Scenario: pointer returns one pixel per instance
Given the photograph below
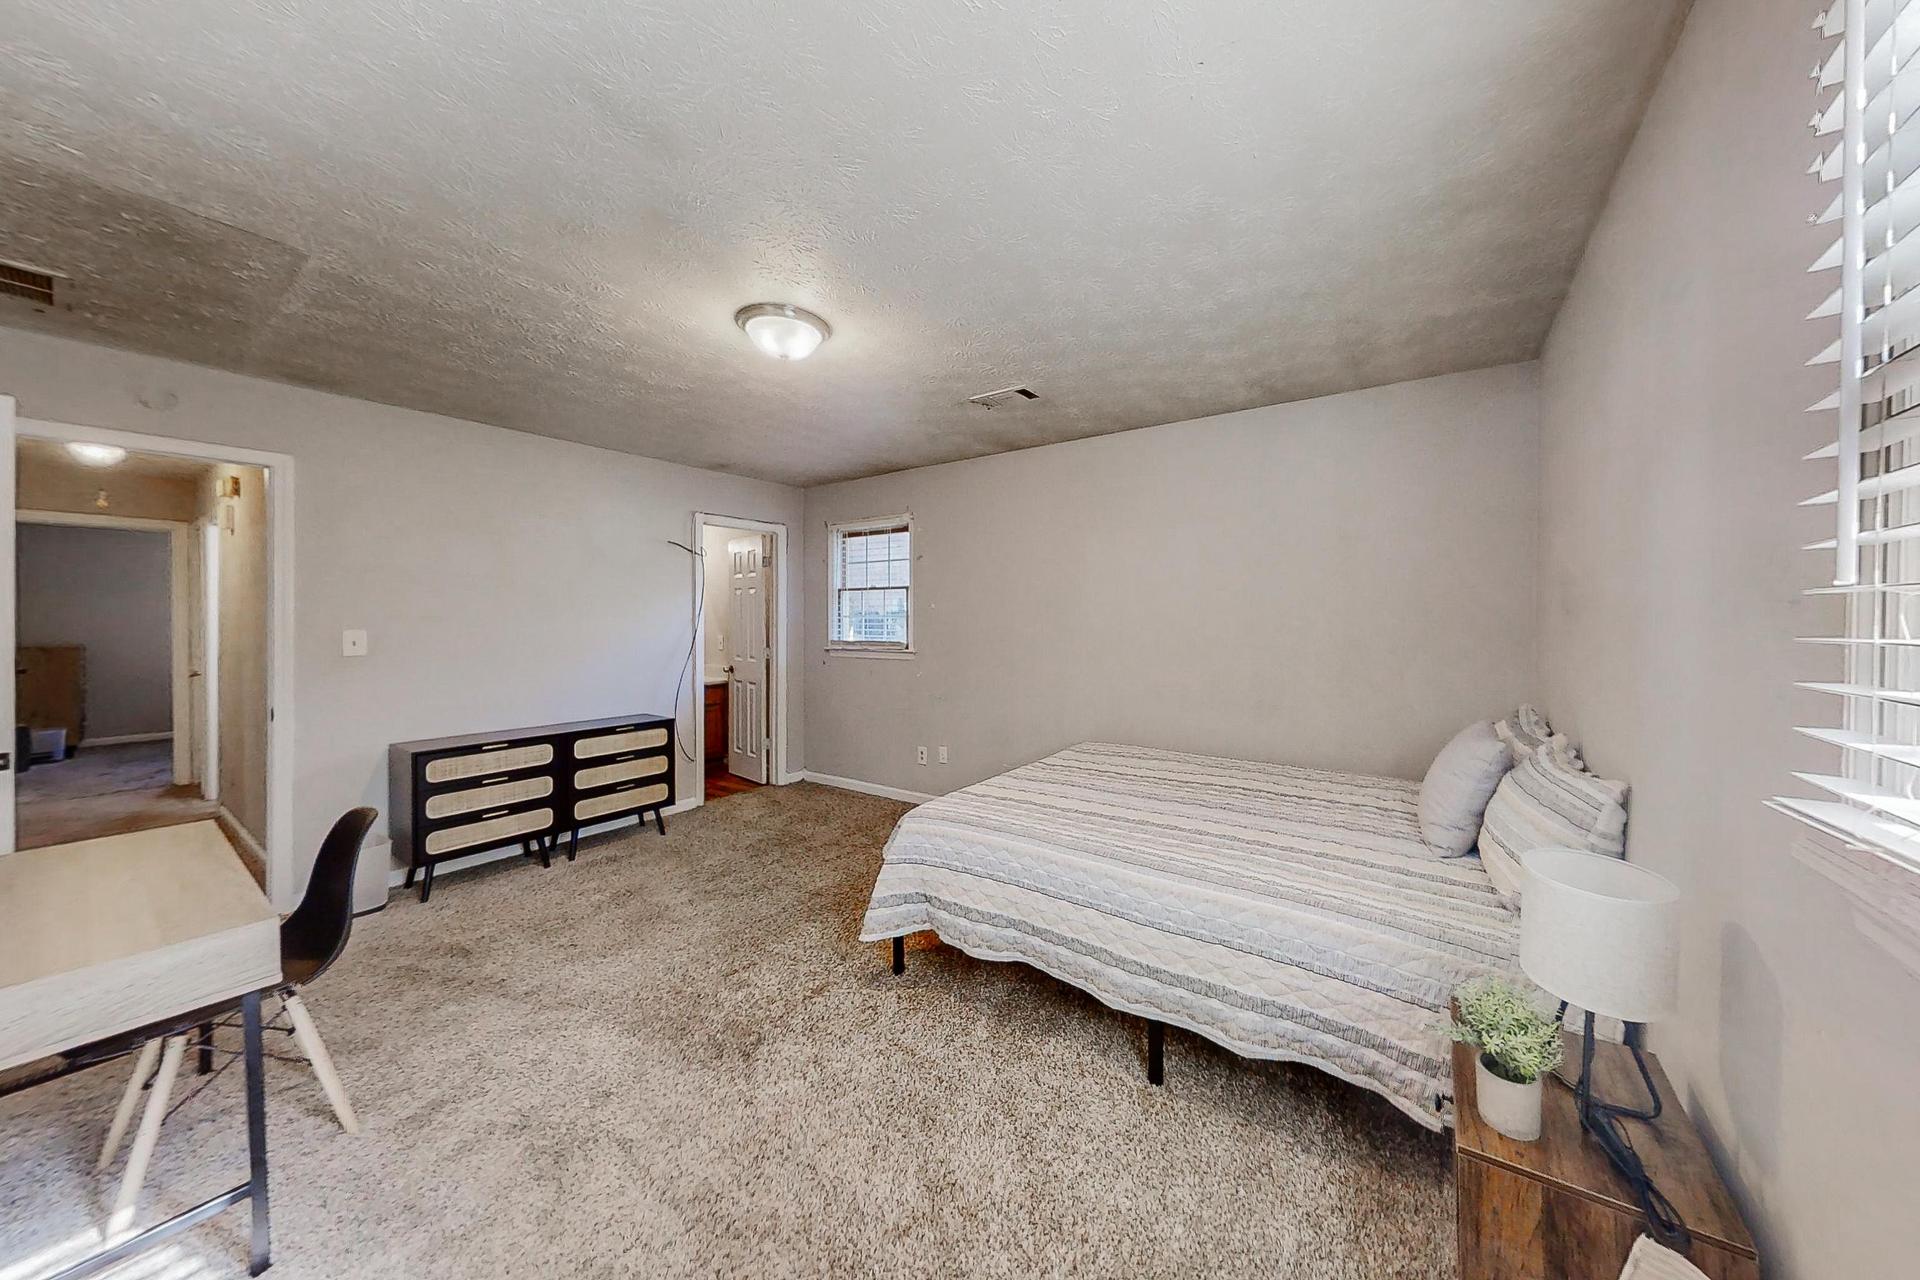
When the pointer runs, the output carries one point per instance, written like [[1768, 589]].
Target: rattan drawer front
[[492, 831], [482, 762], [619, 802], [613, 744], [474, 799], [625, 771]]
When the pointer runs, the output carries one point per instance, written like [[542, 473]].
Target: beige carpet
[[672, 1058]]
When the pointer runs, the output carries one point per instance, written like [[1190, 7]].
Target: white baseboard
[[868, 788], [397, 876], [237, 831], [123, 739]]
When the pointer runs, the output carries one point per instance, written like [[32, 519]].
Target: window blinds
[[872, 571], [1868, 83]]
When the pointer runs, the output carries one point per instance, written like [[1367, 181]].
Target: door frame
[[777, 774], [180, 562], [281, 886]]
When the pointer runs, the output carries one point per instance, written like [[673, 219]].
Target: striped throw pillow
[[1526, 730], [1548, 801]]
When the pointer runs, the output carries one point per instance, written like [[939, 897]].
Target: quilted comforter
[[1283, 912]]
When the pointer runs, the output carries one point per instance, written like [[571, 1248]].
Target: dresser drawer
[[605, 775], [489, 831], [619, 742], [621, 802], [502, 757], [448, 804]]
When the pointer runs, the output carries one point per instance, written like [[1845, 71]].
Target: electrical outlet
[[943, 753], [353, 644], [921, 752]]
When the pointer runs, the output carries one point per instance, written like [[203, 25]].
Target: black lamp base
[[1602, 1121]]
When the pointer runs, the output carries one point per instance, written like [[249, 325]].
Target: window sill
[[847, 651]]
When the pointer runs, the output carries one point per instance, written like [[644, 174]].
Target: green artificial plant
[[1516, 1041]]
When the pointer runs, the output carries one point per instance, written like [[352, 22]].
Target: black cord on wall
[[693, 639]]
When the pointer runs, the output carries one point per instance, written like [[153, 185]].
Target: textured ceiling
[[544, 215]]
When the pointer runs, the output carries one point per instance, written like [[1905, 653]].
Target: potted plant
[[1518, 1047]]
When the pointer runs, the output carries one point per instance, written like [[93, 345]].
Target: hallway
[[103, 791]]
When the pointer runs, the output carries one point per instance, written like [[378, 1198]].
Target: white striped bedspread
[[1283, 912]]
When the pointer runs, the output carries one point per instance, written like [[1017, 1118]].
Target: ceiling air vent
[[20, 281], [1004, 397]]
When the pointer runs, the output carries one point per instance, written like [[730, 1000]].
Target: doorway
[[102, 603], [227, 516], [742, 655]]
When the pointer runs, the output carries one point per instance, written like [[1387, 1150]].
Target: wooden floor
[[721, 783]]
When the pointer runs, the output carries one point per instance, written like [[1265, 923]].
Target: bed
[[1283, 912]]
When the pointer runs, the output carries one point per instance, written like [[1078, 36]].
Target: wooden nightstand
[[1556, 1210]]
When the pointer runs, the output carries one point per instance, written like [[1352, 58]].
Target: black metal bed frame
[[1156, 1030], [253, 1191]]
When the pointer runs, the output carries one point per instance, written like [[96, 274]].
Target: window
[[1869, 82], [871, 564]]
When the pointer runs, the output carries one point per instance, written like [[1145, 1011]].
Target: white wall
[[1341, 582], [504, 579], [245, 572], [107, 589], [719, 614], [1674, 391]]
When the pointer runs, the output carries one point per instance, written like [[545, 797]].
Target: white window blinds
[[871, 566], [1869, 93]]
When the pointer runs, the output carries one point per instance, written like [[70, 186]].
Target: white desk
[[147, 933]]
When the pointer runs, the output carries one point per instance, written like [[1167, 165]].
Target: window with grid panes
[[871, 566]]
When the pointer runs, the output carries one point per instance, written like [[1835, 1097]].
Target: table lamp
[[1600, 934]]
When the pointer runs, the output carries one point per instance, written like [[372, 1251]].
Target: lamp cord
[[693, 638], [1602, 1120]]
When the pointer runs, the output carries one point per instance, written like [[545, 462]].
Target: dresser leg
[[660, 820], [426, 882], [411, 868], [573, 843]]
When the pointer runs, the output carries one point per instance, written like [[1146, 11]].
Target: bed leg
[[1156, 1052], [900, 955]]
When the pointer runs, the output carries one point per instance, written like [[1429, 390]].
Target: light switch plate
[[353, 644]]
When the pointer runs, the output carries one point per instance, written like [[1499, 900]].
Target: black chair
[[311, 939]]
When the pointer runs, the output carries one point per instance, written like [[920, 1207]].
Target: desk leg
[[262, 1245]]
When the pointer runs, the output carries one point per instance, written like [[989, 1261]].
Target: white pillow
[[1549, 801], [1454, 794]]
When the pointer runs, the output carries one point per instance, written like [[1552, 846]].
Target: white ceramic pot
[[1512, 1109]]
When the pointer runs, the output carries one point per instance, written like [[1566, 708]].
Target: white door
[[749, 580], [7, 624]]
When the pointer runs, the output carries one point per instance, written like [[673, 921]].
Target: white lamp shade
[[1600, 933]]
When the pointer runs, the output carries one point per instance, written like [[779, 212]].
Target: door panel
[[747, 679]]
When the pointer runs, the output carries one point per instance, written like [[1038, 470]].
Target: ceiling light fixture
[[96, 455], [782, 331]]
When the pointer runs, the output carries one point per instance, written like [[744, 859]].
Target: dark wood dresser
[[716, 708], [1556, 1210], [455, 797]]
